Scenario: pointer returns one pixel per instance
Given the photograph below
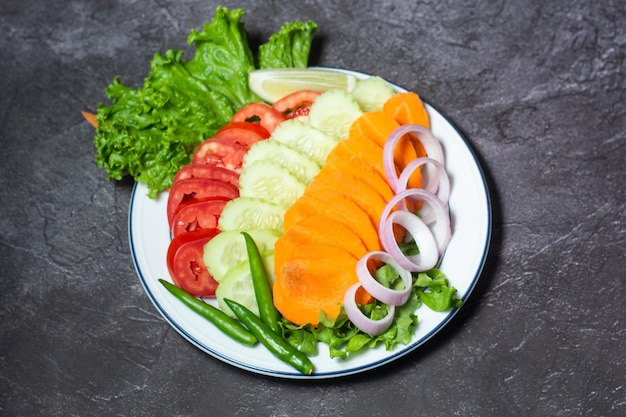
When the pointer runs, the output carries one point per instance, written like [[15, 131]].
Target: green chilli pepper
[[278, 346], [221, 320], [262, 289]]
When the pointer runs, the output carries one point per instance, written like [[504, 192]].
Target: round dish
[[462, 262]]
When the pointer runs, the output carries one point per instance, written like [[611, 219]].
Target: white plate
[[462, 263]]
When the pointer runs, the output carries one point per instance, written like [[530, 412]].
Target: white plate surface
[[462, 262]]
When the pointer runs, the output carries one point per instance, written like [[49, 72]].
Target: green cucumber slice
[[333, 113], [372, 92], [300, 165], [305, 138], [270, 181], [244, 213]]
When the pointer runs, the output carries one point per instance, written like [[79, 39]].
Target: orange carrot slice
[[337, 206], [314, 279], [364, 148], [407, 108], [366, 197], [320, 229], [317, 230], [91, 118], [375, 125], [359, 168]]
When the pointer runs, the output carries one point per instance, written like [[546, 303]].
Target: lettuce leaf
[[223, 58], [151, 132], [289, 47], [435, 292]]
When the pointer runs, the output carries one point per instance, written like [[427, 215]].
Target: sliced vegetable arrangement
[[351, 220], [312, 205]]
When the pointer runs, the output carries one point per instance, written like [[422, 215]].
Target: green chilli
[[221, 320], [278, 346], [262, 289]]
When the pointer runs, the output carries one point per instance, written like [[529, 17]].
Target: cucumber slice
[[237, 284], [372, 92], [270, 181], [333, 113], [273, 84], [243, 213], [305, 138], [300, 165], [228, 248]]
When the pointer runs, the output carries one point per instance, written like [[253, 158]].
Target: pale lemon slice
[[273, 84]]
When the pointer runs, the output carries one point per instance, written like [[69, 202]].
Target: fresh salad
[[310, 204]]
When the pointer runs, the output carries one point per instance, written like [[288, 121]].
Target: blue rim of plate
[[342, 372]]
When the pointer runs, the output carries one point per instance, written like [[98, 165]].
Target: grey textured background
[[538, 87]]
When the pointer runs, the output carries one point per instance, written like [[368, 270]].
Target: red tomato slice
[[253, 127], [239, 132], [208, 172], [296, 105], [261, 113], [193, 189], [185, 264], [202, 213], [220, 152]]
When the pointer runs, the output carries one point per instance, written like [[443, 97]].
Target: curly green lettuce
[[289, 47], [152, 131]]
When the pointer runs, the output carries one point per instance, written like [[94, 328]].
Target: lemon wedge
[[273, 84]]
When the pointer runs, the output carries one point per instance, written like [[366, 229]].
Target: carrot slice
[[366, 197], [91, 118], [363, 297], [337, 206], [359, 168], [376, 125], [407, 108], [282, 253], [320, 229], [364, 148], [315, 278]]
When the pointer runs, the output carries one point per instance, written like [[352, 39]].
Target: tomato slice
[[261, 113], [185, 264], [250, 126], [193, 189], [201, 213], [239, 132], [296, 105], [203, 171], [220, 152]]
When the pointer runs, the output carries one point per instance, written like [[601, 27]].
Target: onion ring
[[360, 320], [428, 249], [427, 139], [375, 288], [440, 216], [437, 182]]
